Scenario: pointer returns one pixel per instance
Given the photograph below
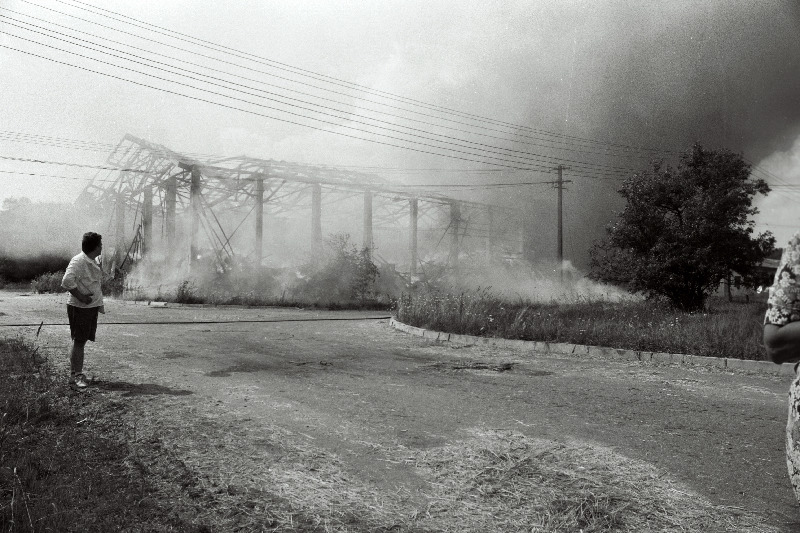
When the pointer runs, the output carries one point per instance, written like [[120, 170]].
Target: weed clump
[[49, 282], [723, 330], [343, 274]]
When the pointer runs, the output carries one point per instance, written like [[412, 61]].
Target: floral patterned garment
[[783, 305]]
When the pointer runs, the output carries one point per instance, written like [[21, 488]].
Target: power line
[[228, 74], [318, 77], [46, 162], [262, 114], [16, 172], [523, 157]]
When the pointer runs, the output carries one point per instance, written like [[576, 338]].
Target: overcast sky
[[600, 86]]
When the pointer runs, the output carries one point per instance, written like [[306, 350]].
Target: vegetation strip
[[762, 367]]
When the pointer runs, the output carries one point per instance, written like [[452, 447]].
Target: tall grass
[[723, 330], [64, 466]]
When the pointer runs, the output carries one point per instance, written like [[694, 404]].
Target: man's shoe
[[80, 381]]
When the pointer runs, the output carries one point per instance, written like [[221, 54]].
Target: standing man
[[83, 281]]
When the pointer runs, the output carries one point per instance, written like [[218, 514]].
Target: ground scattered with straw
[[140, 461]]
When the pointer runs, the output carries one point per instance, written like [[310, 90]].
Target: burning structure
[[178, 209]]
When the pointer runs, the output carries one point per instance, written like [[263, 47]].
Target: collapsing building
[[160, 205]]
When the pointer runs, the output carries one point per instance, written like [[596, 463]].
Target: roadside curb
[[617, 354]]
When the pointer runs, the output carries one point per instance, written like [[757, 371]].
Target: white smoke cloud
[[780, 210]]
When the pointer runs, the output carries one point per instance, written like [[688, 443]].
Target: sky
[[600, 87]]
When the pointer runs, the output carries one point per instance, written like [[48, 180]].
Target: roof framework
[[221, 196]]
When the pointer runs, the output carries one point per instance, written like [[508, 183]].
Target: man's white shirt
[[85, 275]]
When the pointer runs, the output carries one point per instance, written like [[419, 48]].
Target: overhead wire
[[558, 146], [404, 140], [521, 157], [249, 111], [561, 137], [304, 72]]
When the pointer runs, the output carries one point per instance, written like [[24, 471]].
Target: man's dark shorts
[[82, 322]]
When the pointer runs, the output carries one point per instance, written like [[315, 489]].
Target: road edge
[[618, 354]]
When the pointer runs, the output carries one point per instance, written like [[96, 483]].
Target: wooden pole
[[170, 200], [194, 227], [147, 221], [259, 221], [412, 244], [316, 212], [560, 186], [368, 242], [119, 235], [490, 234], [455, 223]]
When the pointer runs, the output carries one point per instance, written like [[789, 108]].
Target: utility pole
[[560, 185]]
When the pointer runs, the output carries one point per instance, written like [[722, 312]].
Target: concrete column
[[316, 213], [455, 226], [368, 242], [170, 199], [259, 221], [120, 245], [194, 227], [147, 221], [412, 240]]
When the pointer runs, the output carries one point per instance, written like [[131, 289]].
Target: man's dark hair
[[91, 240]]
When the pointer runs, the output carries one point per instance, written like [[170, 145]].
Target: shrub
[[343, 274], [113, 285], [186, 293], [49, 282]]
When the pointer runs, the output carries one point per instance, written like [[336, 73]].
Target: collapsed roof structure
[[208, 205]]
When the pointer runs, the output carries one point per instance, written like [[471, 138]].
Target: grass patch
[[723, 330], [49, 282], [504, 481], [65, 464]]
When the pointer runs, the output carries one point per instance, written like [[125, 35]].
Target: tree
[[685, 229]]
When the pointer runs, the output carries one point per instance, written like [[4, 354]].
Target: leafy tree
[[685, 229]]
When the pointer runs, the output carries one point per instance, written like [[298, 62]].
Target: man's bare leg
[[76, 357]]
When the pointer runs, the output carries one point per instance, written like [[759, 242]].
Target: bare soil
[[353, 401]]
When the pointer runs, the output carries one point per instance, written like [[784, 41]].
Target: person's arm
[[83, 298], [782, 342], [70, 283]]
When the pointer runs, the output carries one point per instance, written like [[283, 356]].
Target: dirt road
[[363, 391]]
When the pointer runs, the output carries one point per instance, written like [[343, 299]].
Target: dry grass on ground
[[250, 476], [503, 481], [138, 459], [723, 330]]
